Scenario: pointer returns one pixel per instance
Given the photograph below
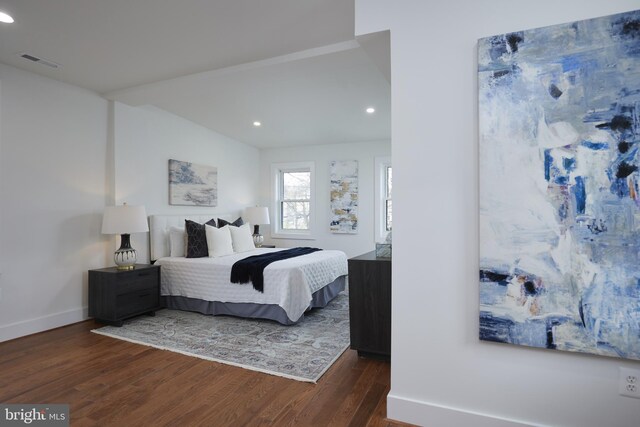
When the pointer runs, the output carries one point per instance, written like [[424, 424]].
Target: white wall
[[365, 153], [145, 138], [441, 374], [52, 194], [65, 154]]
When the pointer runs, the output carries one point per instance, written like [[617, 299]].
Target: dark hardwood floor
[[109, 382]]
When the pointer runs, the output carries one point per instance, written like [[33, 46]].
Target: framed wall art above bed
[[191, 184]]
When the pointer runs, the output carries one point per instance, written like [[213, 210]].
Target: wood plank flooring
[[109, 382]]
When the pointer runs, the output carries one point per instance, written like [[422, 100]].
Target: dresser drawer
[[137, 302]]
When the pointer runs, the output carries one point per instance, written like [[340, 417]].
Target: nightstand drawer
[[137, 280], [137, 302]]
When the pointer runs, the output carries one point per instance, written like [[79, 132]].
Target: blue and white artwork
[[559, 121], [344, 196], [192, 185]]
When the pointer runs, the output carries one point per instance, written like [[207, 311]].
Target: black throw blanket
[[251, 269]]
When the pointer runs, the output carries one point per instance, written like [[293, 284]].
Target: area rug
[[301, 352]]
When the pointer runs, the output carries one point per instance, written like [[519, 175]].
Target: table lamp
[[257, 215], [125, 220]]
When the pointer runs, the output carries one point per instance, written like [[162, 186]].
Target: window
[[384, 218], [292, 185]]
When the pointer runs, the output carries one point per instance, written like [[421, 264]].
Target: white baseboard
[[432, 415], [40, 324]]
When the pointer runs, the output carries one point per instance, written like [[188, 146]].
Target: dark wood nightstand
[[115, 295], [370, 305]]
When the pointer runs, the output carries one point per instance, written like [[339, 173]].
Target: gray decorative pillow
[[197, 238], [238, 222]]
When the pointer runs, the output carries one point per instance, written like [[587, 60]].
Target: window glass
[[296, 185], [295, 215], [296, 192], [388, 210]]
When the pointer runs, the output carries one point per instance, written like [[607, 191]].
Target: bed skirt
[[319, 299]]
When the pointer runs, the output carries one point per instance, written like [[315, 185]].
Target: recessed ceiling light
[[257, 124], [5, 17], [370, 110]]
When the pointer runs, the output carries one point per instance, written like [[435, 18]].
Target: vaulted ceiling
[[292, 65]]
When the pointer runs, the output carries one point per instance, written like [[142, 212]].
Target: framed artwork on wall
[[559, 122], [191, 184], [344, 196]]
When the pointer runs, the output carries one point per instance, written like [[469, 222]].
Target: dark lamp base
[[125, 257]]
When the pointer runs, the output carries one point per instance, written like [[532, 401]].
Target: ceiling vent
[[39, 60]]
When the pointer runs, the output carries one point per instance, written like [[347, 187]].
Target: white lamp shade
[[124, 219], [257, 215]]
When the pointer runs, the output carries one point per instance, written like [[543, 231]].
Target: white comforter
[[288, 283]]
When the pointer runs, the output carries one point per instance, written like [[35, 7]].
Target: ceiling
[[293, 65]]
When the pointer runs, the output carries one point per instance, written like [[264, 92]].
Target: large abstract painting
[[344, 196], [192, 185], [560, 187]]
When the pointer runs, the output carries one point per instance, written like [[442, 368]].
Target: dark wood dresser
[[370, 305], [115, 295]]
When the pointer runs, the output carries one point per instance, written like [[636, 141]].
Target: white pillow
[[242, 238], [218, 241], [176, 241]]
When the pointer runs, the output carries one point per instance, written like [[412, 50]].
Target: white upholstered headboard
[[159, 229]]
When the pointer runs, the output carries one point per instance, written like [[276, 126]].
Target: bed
[[291, 286]]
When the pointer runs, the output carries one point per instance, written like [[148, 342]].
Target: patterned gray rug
[[301, 352]]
